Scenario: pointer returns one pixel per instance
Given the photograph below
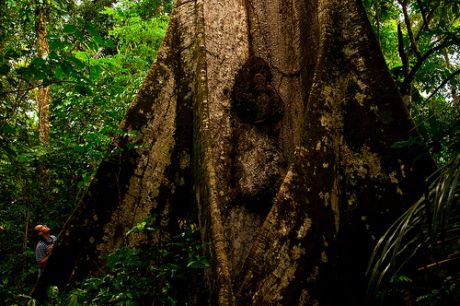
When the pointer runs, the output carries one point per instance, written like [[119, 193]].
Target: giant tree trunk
[[272, 124]]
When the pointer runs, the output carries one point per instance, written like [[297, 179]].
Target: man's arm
[[43, 261]]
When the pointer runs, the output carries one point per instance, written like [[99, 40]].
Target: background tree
[[43, 97]]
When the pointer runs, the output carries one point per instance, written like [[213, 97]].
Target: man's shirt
[[41, 249]]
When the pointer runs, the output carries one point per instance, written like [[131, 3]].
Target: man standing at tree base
[[44, 246]]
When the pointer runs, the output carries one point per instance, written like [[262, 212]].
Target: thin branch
[[377, 20], [414, 48], [437, 263], [450, 77], [422, 10], [426, 21], [402, 53], [444, 134], [410, 77], [17, 91], [4, 93]]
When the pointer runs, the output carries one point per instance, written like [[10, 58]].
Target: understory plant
[[148, 275], [418, 257]]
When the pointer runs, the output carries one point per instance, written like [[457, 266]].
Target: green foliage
[[424, 241], [95, 66], [425, 64], [147, 275], [423, 59]]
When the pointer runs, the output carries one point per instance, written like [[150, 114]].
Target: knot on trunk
[[254, 99], [258, 161]]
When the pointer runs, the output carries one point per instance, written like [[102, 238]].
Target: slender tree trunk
[[272, 123], [43, 96], [26, 198], [43, 92]]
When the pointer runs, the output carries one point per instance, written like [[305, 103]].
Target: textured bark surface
[[271, 123], [43, 94]]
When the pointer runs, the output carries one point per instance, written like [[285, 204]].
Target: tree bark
[[272, 124], [43, 95]]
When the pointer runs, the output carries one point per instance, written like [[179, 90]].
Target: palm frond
[[429, 223]]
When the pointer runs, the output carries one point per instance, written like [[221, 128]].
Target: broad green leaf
[[37, 62], [79, 64], [58, 72], [8, 129], [405, 143], [69, 28], [4, 69], [57, 45], [11, 54], [80, 36]]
